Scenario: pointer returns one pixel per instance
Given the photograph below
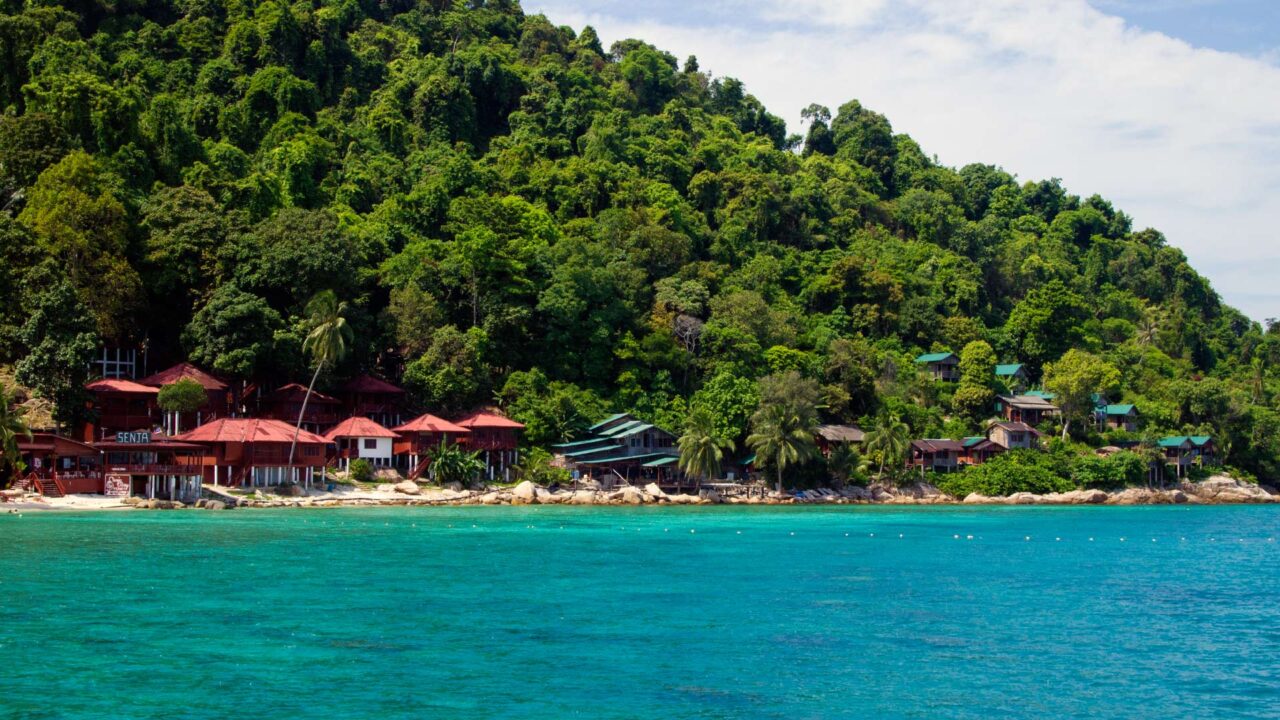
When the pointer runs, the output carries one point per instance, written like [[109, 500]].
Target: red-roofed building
[[497, 438], [936, 455], [419, 437], [58, 465], [360, 437], [375, 399], [119, 405], [323, 411], [255, 453], [220, 402], [139, 464]]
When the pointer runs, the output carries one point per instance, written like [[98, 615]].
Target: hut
[[140, 464], [828, 436], [219, 400], [1013, 375], [360, 437], [978, 450], [941, 366], [939, 455], [1014, 435], [378, 400], [1030, 408], [419, 437], [255, 453], [1118, 417], [58, 465], [497, 439], [1184, 451]]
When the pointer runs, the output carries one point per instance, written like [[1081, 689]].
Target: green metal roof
[[971, 441], [578, 443], [606, 421], [1175, 441], [660, 462], [579, 454], [1008, 370], [748, 460], [1041, 394], [1200, 439], [934, 357], [1119, 409], [625, 458], [621, 429]]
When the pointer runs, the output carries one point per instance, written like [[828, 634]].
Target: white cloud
[[1184, 139]]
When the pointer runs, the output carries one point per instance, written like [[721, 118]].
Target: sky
[[1168, 108]]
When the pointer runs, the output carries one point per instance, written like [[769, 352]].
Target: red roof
[[489, 420], [358, 427], [184, 370], [295, 391], [120, 386], [371, 385], [430, 424], [244, 430]]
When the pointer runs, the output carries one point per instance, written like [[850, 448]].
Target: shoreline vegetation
[[1216, 490]]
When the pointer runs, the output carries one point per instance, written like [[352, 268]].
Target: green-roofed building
[[1118, 417], [622, 447], [941, 366], [1183, 451], [1013, 375]]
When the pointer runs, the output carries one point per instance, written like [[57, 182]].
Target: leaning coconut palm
[[701, 450], [450, 464], [327, 342], [889, 439], [12, 426], [782, 436]]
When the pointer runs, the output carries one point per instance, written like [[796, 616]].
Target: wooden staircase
[[420, 469], [49, 487]]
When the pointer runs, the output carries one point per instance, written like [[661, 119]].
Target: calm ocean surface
[[552, 612]]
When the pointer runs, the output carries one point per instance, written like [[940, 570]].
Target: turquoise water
[[550, 612]]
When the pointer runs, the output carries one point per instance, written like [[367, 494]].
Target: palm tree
[[782, 435], [701, 450], [12, 425], [844, 463], [890, 438], [327, 342]]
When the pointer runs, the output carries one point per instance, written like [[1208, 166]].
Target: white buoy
[[739, 532], [1057, 539], [968, 537], [691, 530], [872, 534], [846, 534], [1026, 537], [899, 536]]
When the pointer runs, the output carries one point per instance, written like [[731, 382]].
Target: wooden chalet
[[1185, 451], [378, 400], [323, 411], [139, 464], [255, 453], [1013, 375], [420, 437], [360, 437], [624, 447], [220, 401], [1014, 435], [1030, 408], [935, 455], [941, 366], [120, 405], [58, 466], [497, 439], [1118, 417], [829, 436], [978, 450]]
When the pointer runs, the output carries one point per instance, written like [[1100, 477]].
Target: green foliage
[[552, 411], [1012, 472], [783, 427], [493, 194], [450, 463], [701, 450], [1122, 469], [361, 470], [535, 466], [184, 396], [12, 427], [1074, 379], [61, 338]]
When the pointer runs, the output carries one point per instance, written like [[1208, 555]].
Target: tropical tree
[[845, 464], [327, 343], [701, 448], [889, 440], [1074, 379], [450, 464], [12, 426], [783, 427], [183, 396]]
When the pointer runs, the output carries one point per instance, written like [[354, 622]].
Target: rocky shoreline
[[1218, 490]]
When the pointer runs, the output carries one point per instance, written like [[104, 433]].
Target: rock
[[710, 496], [652, 490], [1021, 498], [214, 505], [408, 487], [386, 488], [1178, 497], [526, 493], [977, 499], [132, 501], [634, 496], [176, 505]]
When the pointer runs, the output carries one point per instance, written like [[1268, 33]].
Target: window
[[370, 444]]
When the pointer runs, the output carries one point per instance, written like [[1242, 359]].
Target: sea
[[646, 612]]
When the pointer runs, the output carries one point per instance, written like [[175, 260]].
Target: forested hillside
[[518, 215]]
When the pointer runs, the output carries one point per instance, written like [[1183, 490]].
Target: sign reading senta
[[133, 437]]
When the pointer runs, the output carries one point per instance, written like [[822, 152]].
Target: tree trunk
[[779, 478], [305, 399], [1066, 425]]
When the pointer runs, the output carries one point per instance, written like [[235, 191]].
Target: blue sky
[[1169, 108]]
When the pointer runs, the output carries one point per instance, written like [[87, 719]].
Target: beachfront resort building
[[1014, 435], [497, 439], [361, 438], [378, 400], [1186, 451], [322, 411], [139, 464], [941, 366], [417, 439], [119, 405], [58, 466], [831, 436], [938, 455], [623, 447], [219, 402], [255, 453]]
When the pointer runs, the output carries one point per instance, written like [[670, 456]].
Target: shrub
[[536, 467], [1119, 470], [1013, 472], [361, 470]]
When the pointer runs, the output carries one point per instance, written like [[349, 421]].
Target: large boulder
[[653, 491], [526, 493], [634, 496], [708, 495], [408, 487], [978, 499], [214, 505]]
